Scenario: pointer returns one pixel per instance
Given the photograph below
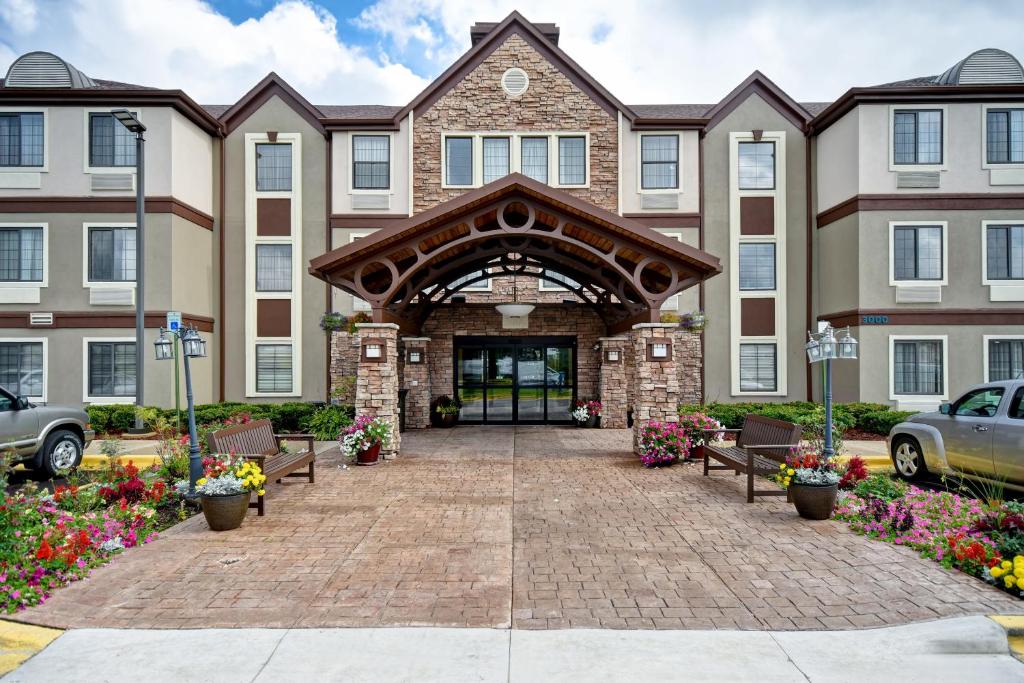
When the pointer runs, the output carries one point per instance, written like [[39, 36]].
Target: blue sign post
[[174, 325]]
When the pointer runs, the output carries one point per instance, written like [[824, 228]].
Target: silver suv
[[45, 439]]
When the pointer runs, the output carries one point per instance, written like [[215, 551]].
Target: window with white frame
[[111, 145], [548, 286], [659, 162], [917, 136], [21, 254], [273, 267], [21, 139], [1004, 142], [273, 167], [111, 254], [758, 371], [497, 160], [917, 252], [371, 162], [1005, 359], [478, 286], [572, 160], [756, 165], [534, 158], [757, 266], [917, 367], [23, 367], [1004, 252], [274, 368], [458, 161], [111, 369]]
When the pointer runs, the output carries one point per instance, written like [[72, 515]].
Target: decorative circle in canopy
[[516, 216], [655, 277], [377, 277]]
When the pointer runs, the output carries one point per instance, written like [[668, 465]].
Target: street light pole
[[192, 346], [825, 346], [195, 463], [828, 451]]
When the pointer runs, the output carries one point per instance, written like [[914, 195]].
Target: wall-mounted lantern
[[612, 355], [414, 356], [373, 350], [659, 349]]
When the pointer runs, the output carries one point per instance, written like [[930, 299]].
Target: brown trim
[[221, 372], [666, 220], [961, 201], [776, 97], [948, 316], [386, 123], [757, 216], [105, 205], [809, 236], [757, 317], [111, 319], [273, 317], [929, 93], [370, 220], [700, 245], [328, 244], [271, 85], [668, 123], [273, 216]]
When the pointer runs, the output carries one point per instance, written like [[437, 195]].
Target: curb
[[19, 642], [1013, 624], [875, 463], [140, 460]]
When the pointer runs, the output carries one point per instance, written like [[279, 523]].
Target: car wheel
[[908, 458], [62, 451]]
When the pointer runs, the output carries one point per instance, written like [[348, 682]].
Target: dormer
[[983, 67], [45, 70]]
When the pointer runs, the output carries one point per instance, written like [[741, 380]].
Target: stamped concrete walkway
[[529, 527]]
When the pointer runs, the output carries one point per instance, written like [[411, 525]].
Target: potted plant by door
[[580, 414], [364, 438], [662, 443], [812, 481], [594, 408], [444, 412], [225, 489]]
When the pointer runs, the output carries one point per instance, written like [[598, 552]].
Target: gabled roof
[[758, 83], [271, 85]]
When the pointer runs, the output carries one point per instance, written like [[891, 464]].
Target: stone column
[[416, 379], [377, 380], [613, 388], [689, 360], [655, 380]]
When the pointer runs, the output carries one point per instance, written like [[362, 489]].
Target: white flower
[[580, 414]]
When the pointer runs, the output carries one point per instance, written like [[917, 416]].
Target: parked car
[[45, 439], [979, 436]]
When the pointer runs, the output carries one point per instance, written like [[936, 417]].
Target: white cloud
[[21, 15]]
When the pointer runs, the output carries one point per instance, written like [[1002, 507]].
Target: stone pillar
[[613, 388], [377, 380], [689, 360], [655, 380], [416, 379], [344, 366]]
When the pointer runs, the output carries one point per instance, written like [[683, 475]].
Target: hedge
[[285, 417], [876, 418]]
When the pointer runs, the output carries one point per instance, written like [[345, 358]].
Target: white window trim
[[86, 168], [45, 282], [893, 166], [391, 135], [985, 164], [984, 254], [89, 284], [918, 398], [101, 400], [515, 154], [45, 168], [482, 286], [357, 303], [296, 370], [985, 339], [272, 241], [678, 189], [46, 360], [944, 280]]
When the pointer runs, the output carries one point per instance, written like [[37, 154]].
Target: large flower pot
[[447, 420], [580, 423], [370, 456], [224, 513], [814, 502], [594, 421], [697, 452]]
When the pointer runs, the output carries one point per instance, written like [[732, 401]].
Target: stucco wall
[[191, 164], [838, 276], [341, 172], [837, 160], [689, 166]]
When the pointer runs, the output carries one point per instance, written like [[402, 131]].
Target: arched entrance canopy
[[515, 225]]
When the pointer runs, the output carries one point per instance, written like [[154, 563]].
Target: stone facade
[[614, 390], [377, 382], [689, 364], [416, 381], [655, 382], [344, 364]]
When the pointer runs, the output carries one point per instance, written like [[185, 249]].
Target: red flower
[[45, 552]]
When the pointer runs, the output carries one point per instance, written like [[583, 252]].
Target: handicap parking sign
[[173, 320]]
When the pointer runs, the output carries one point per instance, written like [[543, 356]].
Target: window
[[273, 167], [371, 162], [21, 254], [478, 286], [659, 161], [21, 139], [273, 268], [111, 254], [21, 368], [534, 160], [110, 143], [458, 161], [979, 403], [1004, 252], [496, 158], [572, 161], [548, 286], [273, 368], [1016, 409], [917, 252], [917, 368], [1005, 132], [756, 166], [757, 367], [1005, 359], [757, 266], [111, 369], [917, 137]]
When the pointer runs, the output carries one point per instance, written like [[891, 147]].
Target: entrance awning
[[515, 226]]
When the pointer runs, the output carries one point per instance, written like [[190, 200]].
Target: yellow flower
[[1006, 564], [260, 492], [1019, 573], [996, 572], [1009, 580], [201, 481], [785, 482], [791, 471], [782, 466]]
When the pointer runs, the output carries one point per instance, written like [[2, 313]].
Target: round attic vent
[[515, 82]]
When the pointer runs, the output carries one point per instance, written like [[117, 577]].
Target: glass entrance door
[[515, 380]]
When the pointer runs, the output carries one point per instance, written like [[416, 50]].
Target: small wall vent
[[371, 201], [515, 82], [112, 296], [918, 179], [919, 295], [113, 181], [659, 201], [40, 319]]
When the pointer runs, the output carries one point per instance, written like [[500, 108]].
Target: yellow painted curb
[[140, 460], [18, 642], [1014, 625], [874, 463]]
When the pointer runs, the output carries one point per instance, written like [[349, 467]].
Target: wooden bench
[[256, 441], [761, 445]]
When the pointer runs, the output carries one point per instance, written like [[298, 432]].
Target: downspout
[[329, 151], [220, 245], [700, 245]]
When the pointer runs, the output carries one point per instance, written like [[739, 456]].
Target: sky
[[385, 52]]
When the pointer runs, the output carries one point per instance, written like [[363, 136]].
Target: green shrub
[[327, 422], [110, 419], [285, 417], [882, 421], [869, 417], [881, 486]]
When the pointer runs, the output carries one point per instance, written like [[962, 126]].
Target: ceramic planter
[[594, 421], [224, 513], [447, 420], [370, 456], [814, 502], [697, 452]]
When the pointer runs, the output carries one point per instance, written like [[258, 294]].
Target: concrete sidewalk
[[967, 648]]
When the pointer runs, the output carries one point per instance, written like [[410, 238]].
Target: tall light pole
[[823, 346], [129, 121], [193, 346]]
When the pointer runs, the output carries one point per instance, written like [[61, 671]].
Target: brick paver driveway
[[533, 527]]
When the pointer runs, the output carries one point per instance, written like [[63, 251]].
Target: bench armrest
[[773, 445]]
